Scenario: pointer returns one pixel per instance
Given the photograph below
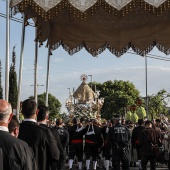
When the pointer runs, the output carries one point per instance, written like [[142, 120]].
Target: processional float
[[84, 102]]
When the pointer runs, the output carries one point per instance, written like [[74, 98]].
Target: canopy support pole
[[21, 65], [47, 80], [146, 79], [7, 52], [36, 68]]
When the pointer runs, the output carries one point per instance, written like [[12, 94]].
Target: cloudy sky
[[65, 70]]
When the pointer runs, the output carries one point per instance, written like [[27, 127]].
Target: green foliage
[[13, 81], [1, 89], [53, 104], [157, 104], [118, 94]]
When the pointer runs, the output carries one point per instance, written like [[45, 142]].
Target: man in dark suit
[[42, 119], [135, 139], [64, 137], [15, 154], [40, 139], [150, 141]]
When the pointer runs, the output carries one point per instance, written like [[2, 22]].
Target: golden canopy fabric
[[136, 23], [84, 93]]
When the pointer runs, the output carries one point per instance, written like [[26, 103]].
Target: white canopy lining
[[83, 5]]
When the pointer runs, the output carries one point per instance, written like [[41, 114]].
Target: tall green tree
[[1, 89], [13, 81], [118, 94], [53, 102], [157, 104]]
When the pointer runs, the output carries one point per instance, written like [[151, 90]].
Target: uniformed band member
[[106, 148], [93, 142], [119, 137], [76, 133], [15, 154], [150, 141]]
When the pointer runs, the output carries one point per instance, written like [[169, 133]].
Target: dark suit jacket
[[17, 155], [56, 137], [42, 142], [148, 137]]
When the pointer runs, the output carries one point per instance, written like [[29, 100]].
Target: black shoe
[[134, 164], [130, 164]]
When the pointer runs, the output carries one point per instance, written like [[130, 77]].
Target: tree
[[157, 104], [118, 94], [13, 81], [1, 89], [54, 104]]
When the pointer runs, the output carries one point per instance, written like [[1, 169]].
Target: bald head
[[5, 110]]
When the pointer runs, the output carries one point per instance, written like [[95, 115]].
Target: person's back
[[150, 142], [119, 137], [64, 139], [40, 139], [15, 153]]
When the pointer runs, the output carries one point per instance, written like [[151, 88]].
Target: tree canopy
[[53, 102], [118, 94], [157, 104]]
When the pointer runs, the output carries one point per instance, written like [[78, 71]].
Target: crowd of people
[[34, 145]]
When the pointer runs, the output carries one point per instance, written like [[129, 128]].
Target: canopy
[[99, 24]]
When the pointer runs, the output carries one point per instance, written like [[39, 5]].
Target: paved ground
[[159, 167]]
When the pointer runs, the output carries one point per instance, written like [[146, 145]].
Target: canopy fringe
[[117, 53]]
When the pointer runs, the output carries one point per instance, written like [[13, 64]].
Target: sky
[[65, 70]]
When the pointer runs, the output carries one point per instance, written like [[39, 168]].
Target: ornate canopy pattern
[[83, 8], [99, 24]]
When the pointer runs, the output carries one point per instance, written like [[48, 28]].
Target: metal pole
[[7, 52], [21, 65], [91, 80], [36, 68], [74, 97], [146, 76], [47, 80]]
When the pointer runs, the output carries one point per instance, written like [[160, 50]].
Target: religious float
[[84, 102]]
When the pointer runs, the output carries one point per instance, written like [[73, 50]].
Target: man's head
[[43, 113], [13, 126], [158, 122], [29, 108], [59, 122], [75, 121], [116, 119], [148, 124], [5, 112], [140, 122]]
